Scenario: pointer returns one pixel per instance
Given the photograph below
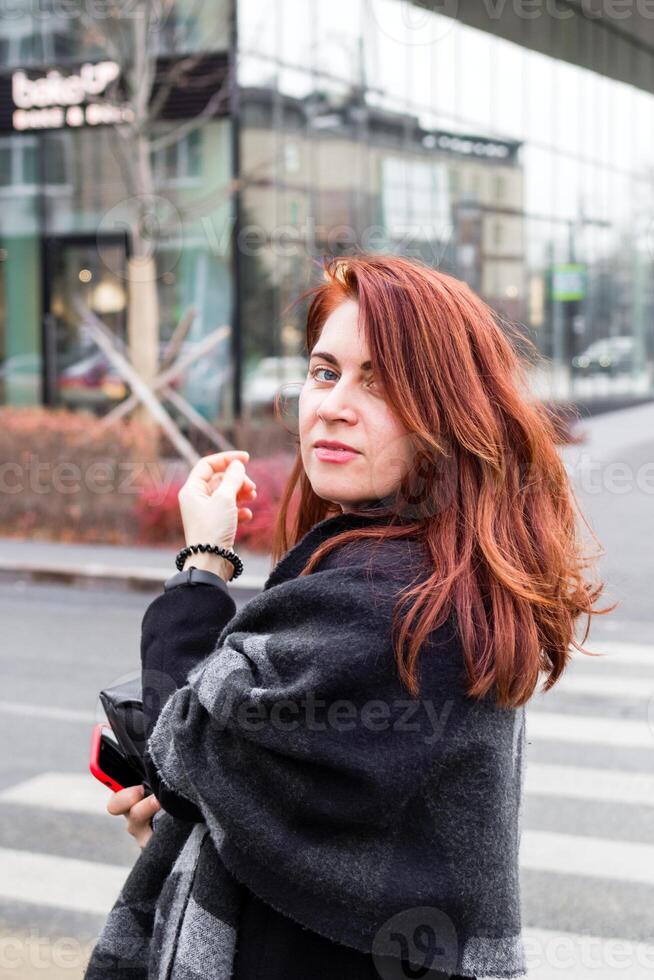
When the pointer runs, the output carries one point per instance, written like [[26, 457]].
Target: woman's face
[[341, 401]]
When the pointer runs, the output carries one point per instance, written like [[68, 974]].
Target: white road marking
[[595, 857], [64, 883], [615, 652], [589, 730], [554, 955], [602, 685], [48, 711], [72, 792], [580, 783]]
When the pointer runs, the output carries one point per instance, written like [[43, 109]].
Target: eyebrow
[[326, 356]]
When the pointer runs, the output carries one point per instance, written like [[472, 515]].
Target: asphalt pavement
[[587, 846]]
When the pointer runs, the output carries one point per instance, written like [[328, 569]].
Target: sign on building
[[568, 281]]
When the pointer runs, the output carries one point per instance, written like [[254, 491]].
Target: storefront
[[67, 196], [478, 147]]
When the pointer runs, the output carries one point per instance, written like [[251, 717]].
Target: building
[[513, 149]]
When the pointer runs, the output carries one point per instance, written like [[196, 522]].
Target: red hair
[[490, 496]]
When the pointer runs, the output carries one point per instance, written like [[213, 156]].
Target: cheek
[[387, 427], [392, 442]]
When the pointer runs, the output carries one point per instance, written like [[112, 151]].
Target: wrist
[[210, 563]]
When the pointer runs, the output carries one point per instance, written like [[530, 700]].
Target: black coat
[[179, 629]]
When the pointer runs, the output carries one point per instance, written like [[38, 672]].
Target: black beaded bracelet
[[227, 553]]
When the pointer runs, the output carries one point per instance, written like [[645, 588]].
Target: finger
[[225, 454], [245, 494], [212, 465], [123, 799], [144, 809], [249, 487], [232, 479], [217, 462], [215, 480]]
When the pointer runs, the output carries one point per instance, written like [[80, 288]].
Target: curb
[[142, 579]]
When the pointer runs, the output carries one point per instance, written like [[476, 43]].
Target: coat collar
[[293, 561]]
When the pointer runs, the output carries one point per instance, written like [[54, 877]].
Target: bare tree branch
[[190, 125], [121, 150]]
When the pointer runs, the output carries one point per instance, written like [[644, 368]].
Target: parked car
[[89, 380], [610, 355]]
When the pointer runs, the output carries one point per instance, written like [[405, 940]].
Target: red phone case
[[94, 764]]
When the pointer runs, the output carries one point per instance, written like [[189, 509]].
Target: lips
[[324, 444], [335, 454]]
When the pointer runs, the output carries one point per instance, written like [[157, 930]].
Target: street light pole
[[571, 307]]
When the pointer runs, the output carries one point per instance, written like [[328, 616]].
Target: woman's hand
[[212, 501], [138, 810]]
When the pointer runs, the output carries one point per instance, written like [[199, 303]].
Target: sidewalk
[[607, 436], [139, 568]]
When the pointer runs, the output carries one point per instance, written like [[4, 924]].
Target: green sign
[[568, 281]]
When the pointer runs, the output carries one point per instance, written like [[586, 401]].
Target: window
[[181, 160], [19, 160]]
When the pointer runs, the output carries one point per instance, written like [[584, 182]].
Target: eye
[[370, 383], [316, 369]]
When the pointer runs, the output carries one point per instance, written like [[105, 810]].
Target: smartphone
[[108, 763]]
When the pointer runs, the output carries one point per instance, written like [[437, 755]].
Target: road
[[62, 856], [587, 853]]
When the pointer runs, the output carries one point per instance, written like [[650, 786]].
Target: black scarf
[[385, 822]]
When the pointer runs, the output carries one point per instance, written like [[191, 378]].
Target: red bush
[[64, 477], [157, 514], [270, 475], [67, 478], [159, 521]]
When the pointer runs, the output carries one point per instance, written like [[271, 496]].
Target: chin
[[333, 493], [345, 505]]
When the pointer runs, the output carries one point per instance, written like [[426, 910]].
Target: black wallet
[[123, 706]]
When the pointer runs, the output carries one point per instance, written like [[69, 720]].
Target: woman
[[339, 763]]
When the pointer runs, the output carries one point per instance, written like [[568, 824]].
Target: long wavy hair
[[488, 495]]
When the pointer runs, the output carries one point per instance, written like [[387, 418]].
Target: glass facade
[[380, 125], [366, 124], [66, 196]]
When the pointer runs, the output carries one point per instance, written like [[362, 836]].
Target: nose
[[336, 405]]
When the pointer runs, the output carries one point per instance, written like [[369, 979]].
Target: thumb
[[233, 478], [154, 803]]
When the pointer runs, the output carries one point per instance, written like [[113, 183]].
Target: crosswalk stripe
[[608, 685], [581, 783], [589, 729], [84, 886], [553, 955], [47, 711], [616, 653], [72, 792], [78, 792], [73, 884], [63, 883], [605, 685], [597, 857], [77, 885]]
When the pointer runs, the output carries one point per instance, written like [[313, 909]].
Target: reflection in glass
[[506, 175]]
